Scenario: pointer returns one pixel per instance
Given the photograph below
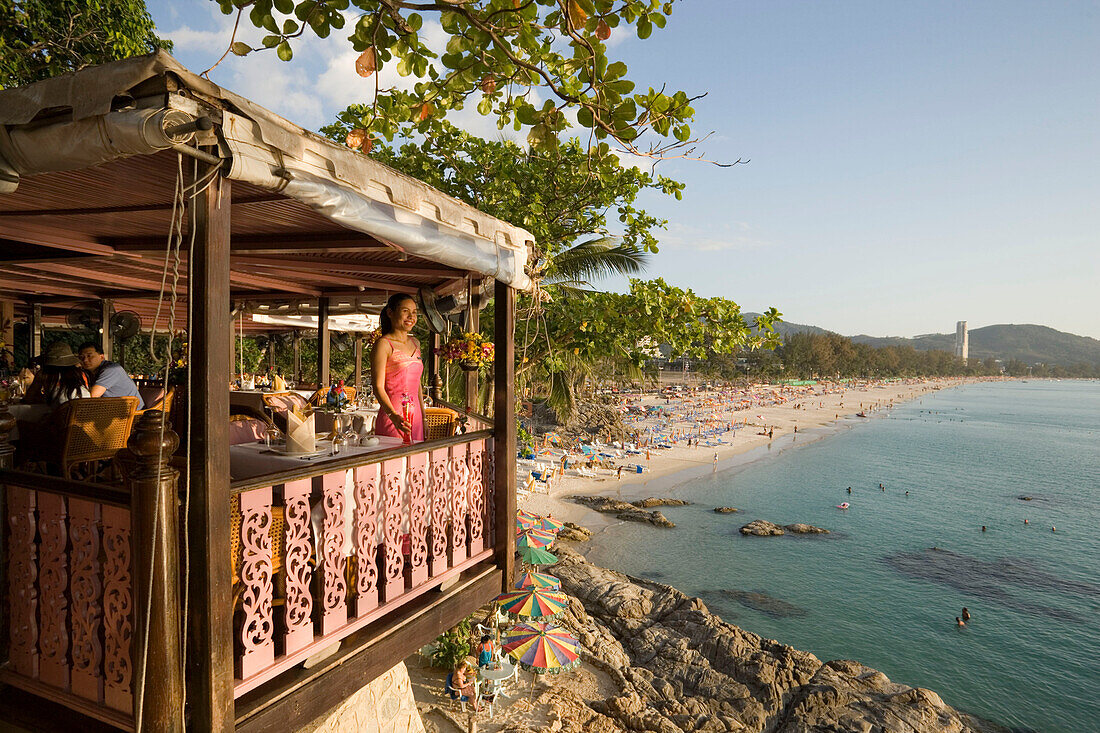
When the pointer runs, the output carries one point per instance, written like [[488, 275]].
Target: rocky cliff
[[678, 667]]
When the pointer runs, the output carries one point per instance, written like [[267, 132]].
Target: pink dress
[[402, 377]]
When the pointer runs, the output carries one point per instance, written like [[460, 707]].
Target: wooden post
[[210, 658], [433, 367], [473, 312], [358, 363], [271, 352], [34, 330], [324, 343], [108, 344], [7, 321], [297, 376], [154, 511], [504, 430], [7, 424]]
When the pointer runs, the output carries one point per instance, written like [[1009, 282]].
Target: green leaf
[[239, 48], [284, 51]]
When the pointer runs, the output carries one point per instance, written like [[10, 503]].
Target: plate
[[282, 451]]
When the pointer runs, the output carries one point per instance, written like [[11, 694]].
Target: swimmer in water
[[1053, 528], [959, 621], [849, 489], [966, 614], [1026, 522], [983, 527]]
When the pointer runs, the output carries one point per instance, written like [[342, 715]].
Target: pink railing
[[355, 544], [70, 595]]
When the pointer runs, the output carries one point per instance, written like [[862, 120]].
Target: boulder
[[622, 510], [726, 510], [654, 501], [762, 528], [804, 529], [574, 533]]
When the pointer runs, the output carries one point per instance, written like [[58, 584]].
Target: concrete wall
[[386, 705]]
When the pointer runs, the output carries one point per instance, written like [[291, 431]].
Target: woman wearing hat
[[61, 378]]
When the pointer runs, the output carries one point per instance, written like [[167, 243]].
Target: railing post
[[154, 510], [504, 431], [7, 424]]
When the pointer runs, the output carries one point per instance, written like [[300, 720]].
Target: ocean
[[885, 586]]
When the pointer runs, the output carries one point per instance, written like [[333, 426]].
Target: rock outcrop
[[622, 510], [656, 501], [726, 510], [764, 528], [677, 667], [574, 533]]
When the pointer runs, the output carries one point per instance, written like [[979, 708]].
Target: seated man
[[108, 379]]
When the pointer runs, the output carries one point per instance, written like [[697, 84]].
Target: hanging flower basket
[[470, 351]]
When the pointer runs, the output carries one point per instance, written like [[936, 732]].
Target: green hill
[[1029, 343]]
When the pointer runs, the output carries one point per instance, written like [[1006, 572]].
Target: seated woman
[[61, 378], [396, 370], [460, 686]]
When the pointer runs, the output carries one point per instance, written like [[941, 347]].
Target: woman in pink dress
[[396, 368]]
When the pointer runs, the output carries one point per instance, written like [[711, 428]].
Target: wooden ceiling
[[74, 238]]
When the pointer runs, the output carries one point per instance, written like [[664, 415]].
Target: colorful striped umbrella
[[533, 602], [535, 538], [541, 648], [537, 556], [527, 520], [550, 524], [539, 580]]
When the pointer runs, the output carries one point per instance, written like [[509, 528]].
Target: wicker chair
[[439, 422], [93, 430], [162, 403]]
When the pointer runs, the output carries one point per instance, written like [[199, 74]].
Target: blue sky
[[912, 164]]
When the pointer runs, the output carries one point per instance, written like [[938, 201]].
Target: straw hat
[[59, 354]]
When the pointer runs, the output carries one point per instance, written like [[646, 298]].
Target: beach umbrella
[[535, 538], [537, 556], [538, 580], [541, 648], [526, 519], [534, 603], [549, 524]]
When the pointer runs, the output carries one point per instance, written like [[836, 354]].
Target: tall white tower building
[[962, 341]]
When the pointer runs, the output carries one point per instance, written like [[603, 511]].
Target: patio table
[[27, 413], [249, 460]]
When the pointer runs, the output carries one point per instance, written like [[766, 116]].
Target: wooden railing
[[70, 594], [357, 541]]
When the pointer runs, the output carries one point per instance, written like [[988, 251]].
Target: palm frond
[[595, 258]]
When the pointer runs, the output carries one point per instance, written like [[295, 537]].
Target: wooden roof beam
[[54, 238], [290, 286], [128, 209], [364, 268], [87, 275], [274, 243], [37, 287]]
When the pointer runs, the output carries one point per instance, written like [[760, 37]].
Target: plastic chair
[[439, 422]]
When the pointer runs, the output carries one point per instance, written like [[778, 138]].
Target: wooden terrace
[[189, 596]]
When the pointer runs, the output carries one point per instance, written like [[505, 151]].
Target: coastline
[[816, 417]]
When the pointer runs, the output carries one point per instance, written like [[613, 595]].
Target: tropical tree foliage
[[44, 38], [523, 62]]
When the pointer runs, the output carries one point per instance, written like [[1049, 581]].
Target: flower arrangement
[[470, 350], [370, 338]]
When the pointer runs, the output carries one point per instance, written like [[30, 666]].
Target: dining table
[[27, 413], [250, 460]]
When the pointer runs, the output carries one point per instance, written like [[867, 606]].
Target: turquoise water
[[875, 591]]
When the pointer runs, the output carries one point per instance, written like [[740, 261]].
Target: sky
[[910, 164]]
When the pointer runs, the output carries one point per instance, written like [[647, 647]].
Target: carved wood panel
[[418, 519], [490, 491], [440, 510], [23, 581], [53, 587], [366, 538], [86, 590], [476, 496], [393, 561], [298, 604], [257, 629], [118, 601], [334, 594], [459, 474]]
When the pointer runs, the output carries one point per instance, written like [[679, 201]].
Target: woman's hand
[[400, 423]]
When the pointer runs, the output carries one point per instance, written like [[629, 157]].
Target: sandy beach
[[794, 415]]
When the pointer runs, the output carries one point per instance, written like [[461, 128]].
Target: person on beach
[[486, 648], [460, 686], [715, 461], [966, 614], [619, 473]]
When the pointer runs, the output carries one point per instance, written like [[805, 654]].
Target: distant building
[[962, 341]]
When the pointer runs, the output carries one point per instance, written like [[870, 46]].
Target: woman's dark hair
[[385, 324], [63, 381]]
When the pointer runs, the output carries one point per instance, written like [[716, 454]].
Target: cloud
[[725, 237]]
